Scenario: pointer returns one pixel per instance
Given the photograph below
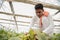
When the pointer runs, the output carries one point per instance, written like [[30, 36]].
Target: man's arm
[[49, 29], [32, 21]]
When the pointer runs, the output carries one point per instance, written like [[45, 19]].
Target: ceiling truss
[[47, 5]]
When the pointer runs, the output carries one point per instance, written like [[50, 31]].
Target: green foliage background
[[31, 35]]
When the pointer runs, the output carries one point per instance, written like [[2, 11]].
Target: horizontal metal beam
[[16, 14], [13, 21], [47, 5], [57, 12], [20, 16], [57, 25], [13, 24], [20, 24], [57, 20], [22, 21]]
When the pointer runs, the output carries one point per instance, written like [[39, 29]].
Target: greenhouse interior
[[16, 16]]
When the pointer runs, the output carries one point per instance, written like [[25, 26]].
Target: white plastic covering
[[23, 9]]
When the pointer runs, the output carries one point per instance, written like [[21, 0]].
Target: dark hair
[[39, 6]]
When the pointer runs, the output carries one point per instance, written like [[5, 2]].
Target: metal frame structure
[[2, 3], [47, 5], [12, 9]]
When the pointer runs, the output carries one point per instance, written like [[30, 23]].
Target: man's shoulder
[[34, 16]]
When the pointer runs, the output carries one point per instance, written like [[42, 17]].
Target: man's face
[[39, 12]]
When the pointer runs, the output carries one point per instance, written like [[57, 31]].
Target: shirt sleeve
[[32, 21], [50, 28]]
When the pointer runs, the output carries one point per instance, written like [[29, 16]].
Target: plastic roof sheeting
[[22, 9], [55, 2], [5, 7]]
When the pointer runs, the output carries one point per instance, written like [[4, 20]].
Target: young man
[[42, 20]]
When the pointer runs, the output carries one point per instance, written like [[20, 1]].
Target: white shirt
[[47, 22]]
